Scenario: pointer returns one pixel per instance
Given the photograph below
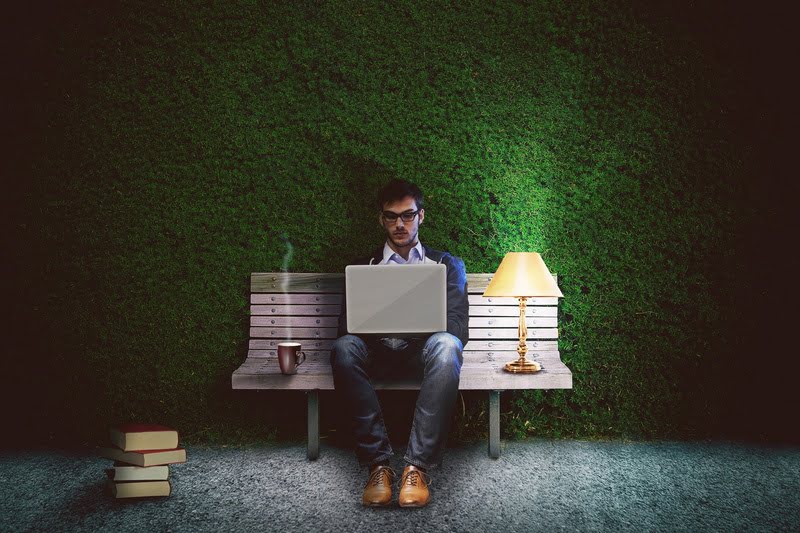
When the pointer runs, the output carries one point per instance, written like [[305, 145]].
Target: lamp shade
[[523, 274]]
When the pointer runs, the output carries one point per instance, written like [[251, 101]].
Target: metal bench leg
[[313, 424], [494, 424]]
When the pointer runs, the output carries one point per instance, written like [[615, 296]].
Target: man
[[437, 359]]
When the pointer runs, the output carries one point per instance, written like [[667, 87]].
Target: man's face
[[399, 232]]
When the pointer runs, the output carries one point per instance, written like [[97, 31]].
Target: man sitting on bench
[[436, 359]]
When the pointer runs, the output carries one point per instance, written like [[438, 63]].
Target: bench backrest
[[305, 307]]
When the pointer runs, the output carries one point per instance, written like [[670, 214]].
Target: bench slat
[[334, 309], [332, 333], [469, 355], [479, 299], [333, 321], [324, 298], [296, 282], [281, 332], [320, 310], [327, 344], [511, 322], [319, 361], [295, 299], [296, 321], [481, 310], [541, 345], [308, 344], [324, 369], [505, 334]]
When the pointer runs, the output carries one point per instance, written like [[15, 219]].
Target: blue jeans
[[438, 362]]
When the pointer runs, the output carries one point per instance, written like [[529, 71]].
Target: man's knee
[[348, 350], [444, 348]]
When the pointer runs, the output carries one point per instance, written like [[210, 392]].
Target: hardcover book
[[139, 489], [144, 437], [144, 457], [123, 472]]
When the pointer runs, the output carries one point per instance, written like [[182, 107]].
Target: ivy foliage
[[180, 142]]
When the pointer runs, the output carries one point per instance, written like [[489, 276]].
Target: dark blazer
[[457, 301]]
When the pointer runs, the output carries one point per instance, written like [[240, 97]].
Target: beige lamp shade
[[523, 274]]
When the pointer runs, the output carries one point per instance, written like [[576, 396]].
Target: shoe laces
[[379, 475], [415, 477]]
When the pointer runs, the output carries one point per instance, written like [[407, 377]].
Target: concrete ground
[[536, 485]]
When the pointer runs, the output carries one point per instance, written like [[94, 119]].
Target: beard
[[402, 239]]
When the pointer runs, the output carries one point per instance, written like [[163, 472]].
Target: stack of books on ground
[[142, 454]]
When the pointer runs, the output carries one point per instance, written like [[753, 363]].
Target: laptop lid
[[396, 299]]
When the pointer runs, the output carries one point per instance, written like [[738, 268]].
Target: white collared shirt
[[390, 256]]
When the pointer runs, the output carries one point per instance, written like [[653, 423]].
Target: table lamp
[[523, 275]]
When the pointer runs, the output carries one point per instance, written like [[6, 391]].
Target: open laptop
[[396, 299]]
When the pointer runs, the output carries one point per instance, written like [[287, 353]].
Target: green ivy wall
[[174, 144]]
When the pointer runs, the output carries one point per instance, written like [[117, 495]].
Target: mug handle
[[300, 361]]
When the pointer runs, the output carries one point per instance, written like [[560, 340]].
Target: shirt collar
[[388, 252]]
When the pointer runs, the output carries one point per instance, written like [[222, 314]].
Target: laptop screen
[[396, 299]]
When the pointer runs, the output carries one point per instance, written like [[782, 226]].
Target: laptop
[[396, 299]]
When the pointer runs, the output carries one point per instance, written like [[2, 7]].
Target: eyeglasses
[[391, 217]]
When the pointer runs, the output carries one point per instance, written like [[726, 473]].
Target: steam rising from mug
[[286, 260], [289, 251]]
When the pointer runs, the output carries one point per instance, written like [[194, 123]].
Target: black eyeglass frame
[[391, 217]]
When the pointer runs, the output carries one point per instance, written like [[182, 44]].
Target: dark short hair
[[398, 189]]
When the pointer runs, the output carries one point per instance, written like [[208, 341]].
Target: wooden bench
[[304, 307]]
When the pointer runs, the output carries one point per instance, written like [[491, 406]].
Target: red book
[[139, 437], [145, 457]]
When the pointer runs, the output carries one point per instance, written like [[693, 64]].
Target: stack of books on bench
[[142, 454]]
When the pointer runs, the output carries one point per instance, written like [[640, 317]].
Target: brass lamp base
[[522, 366]]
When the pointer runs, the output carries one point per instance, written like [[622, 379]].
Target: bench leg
[[494, 424], [313, 424]]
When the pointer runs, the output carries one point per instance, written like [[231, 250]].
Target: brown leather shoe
[[414, 487], [378, 491]]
